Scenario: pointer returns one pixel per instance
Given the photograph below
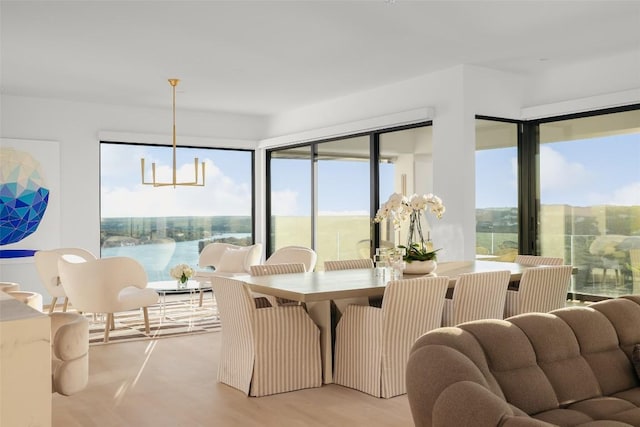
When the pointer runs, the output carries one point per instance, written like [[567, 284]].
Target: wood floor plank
[[172, 382]]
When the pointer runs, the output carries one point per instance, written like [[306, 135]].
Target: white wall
[[76, 127]]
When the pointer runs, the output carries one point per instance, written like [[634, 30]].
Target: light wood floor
[[172, 382]]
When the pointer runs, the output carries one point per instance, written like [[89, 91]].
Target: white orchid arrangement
[[181, 272], [399, 208]]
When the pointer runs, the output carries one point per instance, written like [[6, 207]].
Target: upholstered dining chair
[[477, 296], [227, 260], [373, 344], [69, 353], [265, 350], [46, 262], [350, 264], [294, 254], [541, 289], [269, 269], [538, 260], [107, 285]]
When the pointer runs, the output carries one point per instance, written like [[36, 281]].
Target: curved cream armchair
[[230, 259], [107, 285], [69, 353], [47, 266], [293, 255]]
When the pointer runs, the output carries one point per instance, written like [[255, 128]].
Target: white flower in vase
[[399, 208]]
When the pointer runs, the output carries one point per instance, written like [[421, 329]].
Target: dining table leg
[[320, 312]]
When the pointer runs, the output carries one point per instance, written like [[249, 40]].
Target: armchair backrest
[[213, 253], [294, 254], [46, 262], [93, 286], [412, 307]]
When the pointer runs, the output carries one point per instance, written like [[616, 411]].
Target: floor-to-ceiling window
[[165, 226], [566, 187], [589, 188], [405, 166], [333, 188], [496, 189], [289, 198], [343, 199]]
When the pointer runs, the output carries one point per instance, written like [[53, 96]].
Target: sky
[[588, 172], [580, 173]]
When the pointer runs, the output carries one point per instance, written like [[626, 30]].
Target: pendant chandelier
[[196, 182]]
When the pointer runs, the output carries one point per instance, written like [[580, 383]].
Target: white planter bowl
[[420, 267]]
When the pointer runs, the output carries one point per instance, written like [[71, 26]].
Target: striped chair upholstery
[[541, 289], [538, 260], [265, 350], [372, 344], [348, 264], [269, 269], [477, 296], [263, 300]]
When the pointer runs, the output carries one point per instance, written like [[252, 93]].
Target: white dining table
[[317, 289]]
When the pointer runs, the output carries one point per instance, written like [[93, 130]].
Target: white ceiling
[[266, 57]]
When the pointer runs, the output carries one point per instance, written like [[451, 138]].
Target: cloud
[[629, 195], [284, 203], [558, 174], [220, 195]]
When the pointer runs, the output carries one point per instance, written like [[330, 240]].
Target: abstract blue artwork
[[24, 197]]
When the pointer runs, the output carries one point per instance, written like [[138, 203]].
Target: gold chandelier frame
[[196, 182]]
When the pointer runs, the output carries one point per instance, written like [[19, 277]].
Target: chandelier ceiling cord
[[196, 182]]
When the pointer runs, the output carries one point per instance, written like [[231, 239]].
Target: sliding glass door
[[496, 190], [343, 188], [290, 198], [325, 194]]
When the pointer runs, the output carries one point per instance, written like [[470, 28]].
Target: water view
[[158, 258]]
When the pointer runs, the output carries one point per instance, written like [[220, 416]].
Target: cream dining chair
[[46, 262], [373, 344], [269, 269], [107, 285], [538, 260], [350, 264], [477, 296], [294, 254], [541, 289], [226, 259], [265, 350]]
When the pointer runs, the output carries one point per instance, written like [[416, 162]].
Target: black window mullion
[[528, 199], [374, 195]]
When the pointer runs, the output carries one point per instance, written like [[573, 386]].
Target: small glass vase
[[182, 284]]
